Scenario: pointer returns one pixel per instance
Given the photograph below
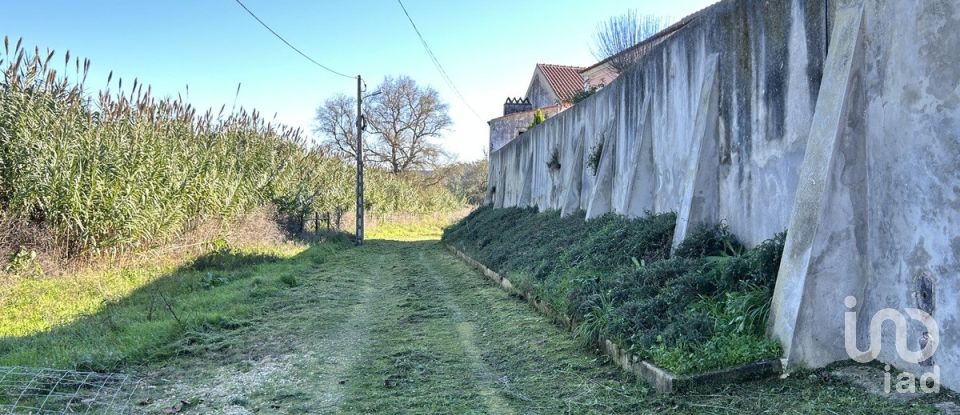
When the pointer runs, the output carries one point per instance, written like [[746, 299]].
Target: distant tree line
[[405, 122]]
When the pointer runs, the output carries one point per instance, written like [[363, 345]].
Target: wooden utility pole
[[360, 127]]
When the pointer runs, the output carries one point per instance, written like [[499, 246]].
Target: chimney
[[514, 105]]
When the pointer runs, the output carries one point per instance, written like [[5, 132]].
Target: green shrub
[[211, 280], [708, 240], [765, 260], [743, 312], [231, 260], [23, 262], [538, 118], [703, 308], [584, 94]]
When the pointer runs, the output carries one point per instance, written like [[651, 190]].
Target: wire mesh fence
[[26, 390]]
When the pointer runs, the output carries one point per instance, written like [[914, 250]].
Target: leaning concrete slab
[[698, 204], [600, 197], [808, 299], [570, 197], [642, 178]]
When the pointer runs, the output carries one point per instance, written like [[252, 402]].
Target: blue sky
[[488, 47]]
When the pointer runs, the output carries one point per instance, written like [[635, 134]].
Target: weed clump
[[704, 307], [554, 163], [289, 280], [231, 260], [23, 262], [593, 161]]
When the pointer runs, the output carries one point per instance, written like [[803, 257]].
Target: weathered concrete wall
[[506, 128], [759, 131], [879, 205], [839, 119]]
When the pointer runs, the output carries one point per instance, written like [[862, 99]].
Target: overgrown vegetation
[[538, 118], [554, 162], [584, 94], [593, 160], [702, 308], [124, 170]]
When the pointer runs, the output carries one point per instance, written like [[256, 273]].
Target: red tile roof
[[564, 80]]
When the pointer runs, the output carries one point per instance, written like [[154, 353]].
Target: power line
[[436, 63], [290, 45]]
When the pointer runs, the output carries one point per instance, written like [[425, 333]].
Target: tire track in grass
[[405, 327], [547, 370], [297, 357], [484, 378], [272, 361], [424, 357], [339, 352]]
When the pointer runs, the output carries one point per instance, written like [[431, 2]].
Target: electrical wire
[[436, 63], [290, 45]]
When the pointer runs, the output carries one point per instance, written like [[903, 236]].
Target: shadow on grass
[[226, 295], [164, 316]]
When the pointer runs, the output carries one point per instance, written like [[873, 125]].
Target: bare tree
[[402, 122], [336, 122], [404, 119], [620, 33]]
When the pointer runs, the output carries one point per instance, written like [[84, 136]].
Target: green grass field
[[106, 320], [389, 327]]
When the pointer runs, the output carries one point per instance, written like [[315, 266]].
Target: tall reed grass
[[121, 168]]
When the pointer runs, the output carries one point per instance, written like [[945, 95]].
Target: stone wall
[[837, 119]]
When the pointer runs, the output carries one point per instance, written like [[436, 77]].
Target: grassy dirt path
[[405, 327]]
